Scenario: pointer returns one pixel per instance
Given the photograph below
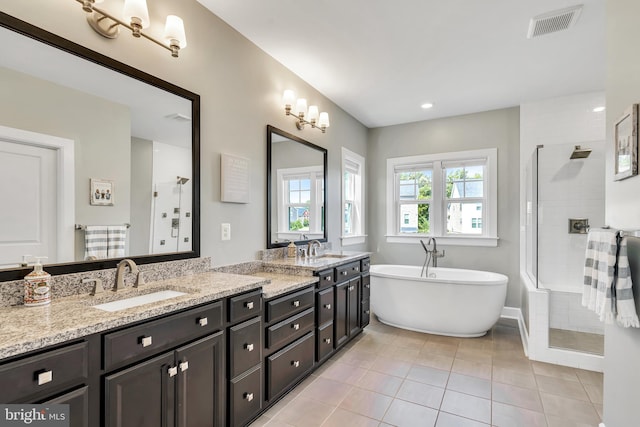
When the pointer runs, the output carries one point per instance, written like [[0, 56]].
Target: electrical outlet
[[225, 231]]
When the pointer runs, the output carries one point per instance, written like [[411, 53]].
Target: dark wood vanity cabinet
[[348, 304]]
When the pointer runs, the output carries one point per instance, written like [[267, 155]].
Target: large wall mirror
[[98, 161], [296, 189]]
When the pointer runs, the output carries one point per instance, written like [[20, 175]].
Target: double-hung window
[[352, 198], [451, 196], [300, 203]]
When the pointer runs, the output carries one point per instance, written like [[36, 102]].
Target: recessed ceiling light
[[598, 109], [427, 105]]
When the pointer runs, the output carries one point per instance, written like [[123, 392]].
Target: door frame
[[65, 226]]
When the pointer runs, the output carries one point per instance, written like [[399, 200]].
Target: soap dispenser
[[37, 289], [292, 250]]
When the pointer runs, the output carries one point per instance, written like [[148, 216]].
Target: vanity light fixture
[[135, 12], [599, 109], [310, 116]]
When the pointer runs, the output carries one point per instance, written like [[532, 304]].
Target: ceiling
[[380, 60]]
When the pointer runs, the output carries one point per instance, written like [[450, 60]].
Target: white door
[[28, 202]]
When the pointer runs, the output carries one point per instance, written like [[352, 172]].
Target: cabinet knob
[[146, 341], [296, 326], [295, 363], [367, 312], [203, 321], [327, 306], [344, 273], [184, 366], [355, 268], [296, 303], [248, 397], [367, 286], [173, 371], [249, 347], [45, 377], [327, 278], [249, 305], [327, 340], [350, 288]]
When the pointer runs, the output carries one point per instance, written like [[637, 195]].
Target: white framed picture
[[101, 192]]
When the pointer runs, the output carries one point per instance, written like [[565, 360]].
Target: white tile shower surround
[[566, 312], [392, 377]]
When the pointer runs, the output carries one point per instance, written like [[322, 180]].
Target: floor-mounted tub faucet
[[431, 255]]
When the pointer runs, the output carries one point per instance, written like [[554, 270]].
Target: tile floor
[[579, 341], [392, 377]]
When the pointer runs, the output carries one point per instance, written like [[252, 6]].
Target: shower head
[[182, 180], [580, 153]]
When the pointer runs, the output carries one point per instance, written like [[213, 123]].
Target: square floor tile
[[474, 369], [467, 406], [327, 391], [517, 396], [380, 383], [450, 420], [558, 386], [503, 415], [469, 385], [342, 418], [343, 372], [508, 376], [389, 366], [421, 394], [408, 414], [427, 375], [576, 410], [556, 371], [367, 403], [303, 412]]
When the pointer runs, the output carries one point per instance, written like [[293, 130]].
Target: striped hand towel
[[95, 242], [626, 315], [600, 259], [116, 239]]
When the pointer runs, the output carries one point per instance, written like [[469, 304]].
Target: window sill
[[353, 240], [447, 240]]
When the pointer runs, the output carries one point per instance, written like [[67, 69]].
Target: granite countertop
[[30, 328], [329, 259], [282, 283]]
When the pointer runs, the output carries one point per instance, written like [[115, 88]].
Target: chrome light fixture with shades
[[135, 12], [310, 116]]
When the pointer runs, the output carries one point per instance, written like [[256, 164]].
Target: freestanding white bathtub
[[456, 302]]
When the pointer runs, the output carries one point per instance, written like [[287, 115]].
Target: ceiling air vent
[[551, 22]]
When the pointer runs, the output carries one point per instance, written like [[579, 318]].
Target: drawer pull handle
[[327, 278], [344, 273], [327, 340], [355, 268], [248, 397], [367, 286], [184, 366], [45, 377], [249, 305], [327, 306], [367, 312], [173, 371], [203, 321], [295, 363], [296, 303], [350, 288], [146, 341], [296, 326], [249, 347]]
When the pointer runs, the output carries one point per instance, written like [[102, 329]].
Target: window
[[352, 198], [300, 203], [452, 196]]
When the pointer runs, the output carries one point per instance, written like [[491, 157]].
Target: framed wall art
[[101, 192], [625, 138]]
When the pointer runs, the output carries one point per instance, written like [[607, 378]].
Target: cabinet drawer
[[245, 346], [366, 286], [324, 343], [365, 264], [287, 305], [245, 306], [347, 271], [326, 278], [78, 401], [145, 340], [245, 393], [53, 371], [289, 365], [290, 329], [324, 306], [366, 314]]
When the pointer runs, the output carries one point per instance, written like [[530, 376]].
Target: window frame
[[355, 163], [316, 176], [439, 201]]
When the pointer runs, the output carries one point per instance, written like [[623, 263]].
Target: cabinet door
[[200, 382], [341, 312], [78, 401], [141, 396], [354, 306]]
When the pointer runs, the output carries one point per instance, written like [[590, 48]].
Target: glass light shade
[[288, 97], [313, 113], [174, 30], [136, 9], [323, 121], [301, 106]]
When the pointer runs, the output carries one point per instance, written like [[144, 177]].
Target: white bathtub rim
[[499, 280]]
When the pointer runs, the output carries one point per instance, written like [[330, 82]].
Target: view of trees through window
[[415, 188], [465, 192]]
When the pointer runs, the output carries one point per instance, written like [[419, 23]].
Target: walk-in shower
[[566, 184]]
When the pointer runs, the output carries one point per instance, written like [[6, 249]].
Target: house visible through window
[[300, 202], [352, 198]]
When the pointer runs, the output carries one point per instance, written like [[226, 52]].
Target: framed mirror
[[296, 189], [89, 147]]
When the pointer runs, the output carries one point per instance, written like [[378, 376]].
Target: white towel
[[600, 259], [626, 315], [95, 242], [116, 239]]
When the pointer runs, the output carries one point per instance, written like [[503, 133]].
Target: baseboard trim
[[516, 314]]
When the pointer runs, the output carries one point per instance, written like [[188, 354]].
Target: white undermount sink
[[123, 304]]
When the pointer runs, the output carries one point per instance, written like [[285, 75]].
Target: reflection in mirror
[[296, 192], [102, 163]]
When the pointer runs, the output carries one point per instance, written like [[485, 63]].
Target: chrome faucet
[[314, 245], [431, 255], [120, 273]]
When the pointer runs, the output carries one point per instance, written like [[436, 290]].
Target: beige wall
[[240, 88], [492, 129], [622, 346]]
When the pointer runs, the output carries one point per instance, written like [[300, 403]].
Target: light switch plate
[[225, 231]]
